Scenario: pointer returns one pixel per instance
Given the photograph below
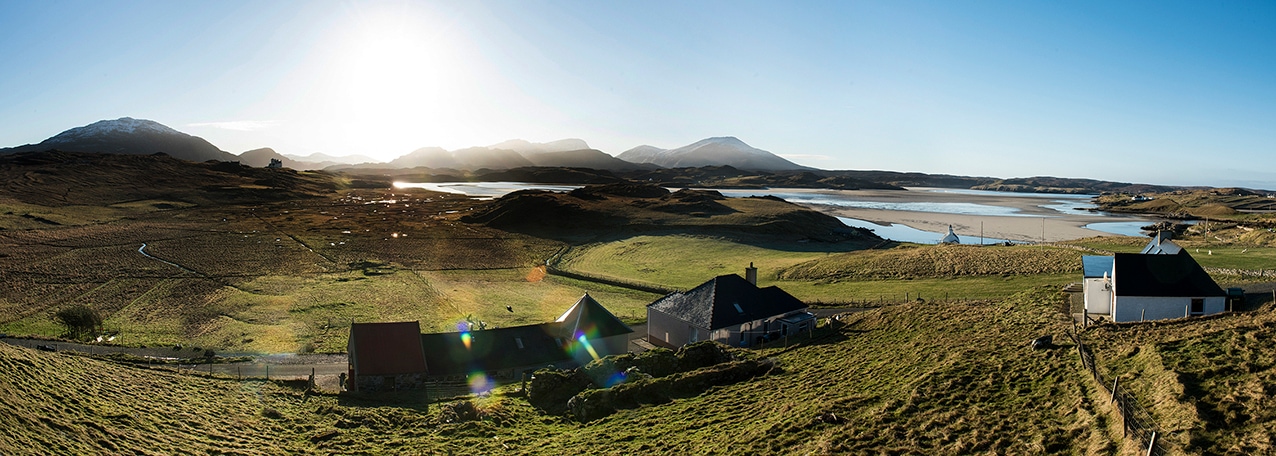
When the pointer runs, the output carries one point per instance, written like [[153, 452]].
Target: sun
[[391, 72]]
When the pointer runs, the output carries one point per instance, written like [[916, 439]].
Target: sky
[[1163, 92]]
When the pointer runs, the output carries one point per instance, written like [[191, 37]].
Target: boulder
[[1043, 342]]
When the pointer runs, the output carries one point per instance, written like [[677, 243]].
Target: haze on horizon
[[1153, 92]]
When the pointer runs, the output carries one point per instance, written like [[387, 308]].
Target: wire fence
[[1136, 422]]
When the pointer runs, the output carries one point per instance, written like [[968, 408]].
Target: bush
[[80, 320], [550, 389]]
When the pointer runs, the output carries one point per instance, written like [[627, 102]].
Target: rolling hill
[[129, 136], [612, 210]]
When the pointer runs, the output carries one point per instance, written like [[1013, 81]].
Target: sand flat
[[1031, 224]]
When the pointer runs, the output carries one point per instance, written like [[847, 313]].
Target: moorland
[[254, 260]]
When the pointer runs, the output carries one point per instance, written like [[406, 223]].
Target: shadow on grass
[[784, 242], [823, 336], [417, 400]]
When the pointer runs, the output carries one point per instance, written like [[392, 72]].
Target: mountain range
[[139, 136], [715, 162]]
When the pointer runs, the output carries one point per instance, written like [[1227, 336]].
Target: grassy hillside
[[859, 277], [614, 211], [917, 378], [1209, 383], [938, 261]]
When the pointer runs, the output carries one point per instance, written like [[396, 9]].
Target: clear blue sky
[[1158, 92]]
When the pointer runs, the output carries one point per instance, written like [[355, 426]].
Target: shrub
[[80, 320]]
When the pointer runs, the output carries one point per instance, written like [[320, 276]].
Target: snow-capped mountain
[[123, 125], [726, 150], [642, 154], [127, 135]]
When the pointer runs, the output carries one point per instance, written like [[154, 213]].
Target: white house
[[1097, 284], [1150, 286], [951, 237]]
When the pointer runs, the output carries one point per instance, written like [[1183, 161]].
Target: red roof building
[[385, 356]]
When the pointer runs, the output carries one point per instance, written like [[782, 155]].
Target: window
[[1198, 306], [519, 341], [737, 308]]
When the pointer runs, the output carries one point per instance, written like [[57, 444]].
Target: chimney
[[751, 274]]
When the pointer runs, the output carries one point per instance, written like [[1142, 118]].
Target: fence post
[[1114, 388], [1152, 443]]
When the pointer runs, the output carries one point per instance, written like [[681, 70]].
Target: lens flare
[[584, 343], [616, 379], [466, 338], [480, 383]]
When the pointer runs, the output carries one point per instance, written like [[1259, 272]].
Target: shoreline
[[1033, 224]]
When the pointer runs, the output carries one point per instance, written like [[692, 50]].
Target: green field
[[902, 274], [274, 314], [917, 378]]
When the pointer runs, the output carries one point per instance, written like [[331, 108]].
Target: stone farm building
[[1162, 282], [385, 356], [728, 309]]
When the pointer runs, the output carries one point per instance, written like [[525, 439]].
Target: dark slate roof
[[1093, 266], [590, 318], [498, 349], [727, 300], [386, 348], [494, 349], [1162, 275]]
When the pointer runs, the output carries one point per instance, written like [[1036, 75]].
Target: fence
[[1136, 422]]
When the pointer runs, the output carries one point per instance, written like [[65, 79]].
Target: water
[[484, 190], [905, 233], [840, 200], [1061, 203], [1120, 228]]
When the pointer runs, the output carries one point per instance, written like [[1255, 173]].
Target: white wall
[[1129, 308], [1097, 299]]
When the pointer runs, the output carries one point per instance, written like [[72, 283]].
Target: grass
[[273, 314], [678, 261], [1207, 382], [934, 378], [901, 274]]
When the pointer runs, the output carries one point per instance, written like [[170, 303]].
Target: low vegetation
[[859, 278], [1209, 383], [911, 261], [930, 378]]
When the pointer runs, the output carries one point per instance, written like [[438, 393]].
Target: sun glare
[[393, 73]]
